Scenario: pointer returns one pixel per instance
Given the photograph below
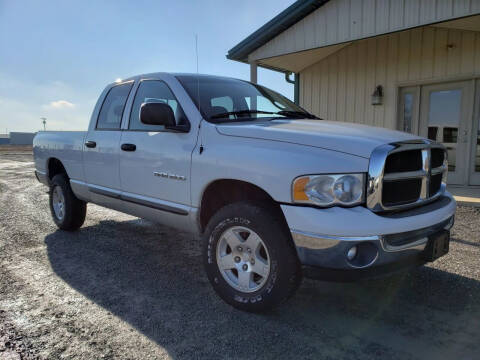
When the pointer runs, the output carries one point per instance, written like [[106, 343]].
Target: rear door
[[102, 147], [155, 162]]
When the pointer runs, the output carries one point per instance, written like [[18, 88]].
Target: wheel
[[249, 257], [68, 212]]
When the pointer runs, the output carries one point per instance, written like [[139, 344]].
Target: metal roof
[[288, 17]]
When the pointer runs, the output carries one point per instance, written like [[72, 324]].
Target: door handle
[[90, 144], [129, 147]]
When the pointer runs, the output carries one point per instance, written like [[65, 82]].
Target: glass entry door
[[475, 149], [445, 116]]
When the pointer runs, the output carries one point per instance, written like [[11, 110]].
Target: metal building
[[4, 139], [21, 138], [412, 65]]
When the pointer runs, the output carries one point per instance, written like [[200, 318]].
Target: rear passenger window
[[110, 117], [155, 91]]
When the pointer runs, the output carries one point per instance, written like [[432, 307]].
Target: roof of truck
[[159, 74]]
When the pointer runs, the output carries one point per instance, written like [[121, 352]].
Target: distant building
[[4, 139], [21, 138]]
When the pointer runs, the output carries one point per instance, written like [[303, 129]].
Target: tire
[[71, 216], [243, 284]]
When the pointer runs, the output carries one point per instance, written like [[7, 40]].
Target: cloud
[[21, 113], [59, 104]]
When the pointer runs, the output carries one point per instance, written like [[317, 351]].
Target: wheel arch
[[55, 167], [222, 192]]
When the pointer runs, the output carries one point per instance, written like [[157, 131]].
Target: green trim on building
[[291, 15]]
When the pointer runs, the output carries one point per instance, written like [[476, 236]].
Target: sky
[[57, 56]]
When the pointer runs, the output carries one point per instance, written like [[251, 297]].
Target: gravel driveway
[[126, 288]]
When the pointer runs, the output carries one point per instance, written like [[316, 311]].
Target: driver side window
[[151, 91]]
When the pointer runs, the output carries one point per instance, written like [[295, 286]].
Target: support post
[[253, 79], [296, 89], [253, 72]]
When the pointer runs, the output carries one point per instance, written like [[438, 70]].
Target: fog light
[[352, 253]]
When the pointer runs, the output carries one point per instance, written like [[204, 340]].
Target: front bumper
[[42, 177], [385, 243]]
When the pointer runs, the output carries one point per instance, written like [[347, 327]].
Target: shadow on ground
[[152, 278]]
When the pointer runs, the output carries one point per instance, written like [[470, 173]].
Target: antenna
[[198, 78]]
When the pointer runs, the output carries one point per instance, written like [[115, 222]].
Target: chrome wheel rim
[[58, 202], [243, 259]]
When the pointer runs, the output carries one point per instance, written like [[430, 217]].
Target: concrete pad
[[468, 196]]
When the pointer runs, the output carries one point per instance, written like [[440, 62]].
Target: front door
[[445, 116], [155, 171]]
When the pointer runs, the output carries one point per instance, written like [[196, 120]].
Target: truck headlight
[[328, 190]]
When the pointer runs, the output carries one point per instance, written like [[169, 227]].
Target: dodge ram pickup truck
[[274, 192]]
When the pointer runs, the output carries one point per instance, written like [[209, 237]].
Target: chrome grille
[[406, 174]]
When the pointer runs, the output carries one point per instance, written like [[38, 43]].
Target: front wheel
[[249, 257], [68, 212]]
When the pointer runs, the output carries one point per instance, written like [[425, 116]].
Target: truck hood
[[355, 139]]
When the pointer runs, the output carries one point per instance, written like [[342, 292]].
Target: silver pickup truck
[[275, 192]]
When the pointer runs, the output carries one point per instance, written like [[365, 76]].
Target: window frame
[[132, 82], [415, 124], [156, 130]]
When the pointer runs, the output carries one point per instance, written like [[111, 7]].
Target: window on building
[[450, 135], [432, 132], [407, 112]]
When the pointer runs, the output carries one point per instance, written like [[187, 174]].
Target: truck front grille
[[407, 174], [401, 191], [410, 160]]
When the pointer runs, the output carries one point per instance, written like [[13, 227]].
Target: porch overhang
[[310, 30], [296, 62], [277, 25]]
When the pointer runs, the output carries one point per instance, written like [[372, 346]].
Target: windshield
[[224, 99]]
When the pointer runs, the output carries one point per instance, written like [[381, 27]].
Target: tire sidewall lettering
[[218, 278]]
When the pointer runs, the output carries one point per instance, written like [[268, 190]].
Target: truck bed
[[66, 146]]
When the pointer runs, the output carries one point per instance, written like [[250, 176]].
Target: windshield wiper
[[239, 112], [298, 114], [287, 113]]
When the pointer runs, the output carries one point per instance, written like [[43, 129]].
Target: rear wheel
[[68, 212], [249, 257]]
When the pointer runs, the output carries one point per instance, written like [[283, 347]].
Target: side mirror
[[157, 114]]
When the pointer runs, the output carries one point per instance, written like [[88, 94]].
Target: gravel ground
[[129, 289]]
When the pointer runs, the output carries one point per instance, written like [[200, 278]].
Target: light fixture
[[377, 96]]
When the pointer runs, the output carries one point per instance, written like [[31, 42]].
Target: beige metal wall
[[339, 87], [340, 21]]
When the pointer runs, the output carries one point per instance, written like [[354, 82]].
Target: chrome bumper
[[42, 177], [330, 252]]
